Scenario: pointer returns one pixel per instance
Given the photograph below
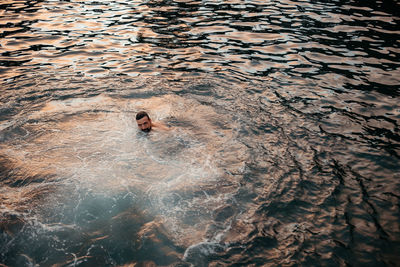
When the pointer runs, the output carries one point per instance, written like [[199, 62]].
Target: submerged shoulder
[[161, 126]]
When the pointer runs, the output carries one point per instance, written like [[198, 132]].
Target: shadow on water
[[99, 230]]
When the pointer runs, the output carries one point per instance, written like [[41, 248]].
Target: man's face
[[144, 124]]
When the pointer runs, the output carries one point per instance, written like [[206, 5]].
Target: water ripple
[[286, 146]]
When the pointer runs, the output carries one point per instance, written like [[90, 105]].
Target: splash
[[89, 165]]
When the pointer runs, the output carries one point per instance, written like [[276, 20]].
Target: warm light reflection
[[283, 147]]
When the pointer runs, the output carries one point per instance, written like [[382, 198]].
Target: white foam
[[94, 145], [202, 250]]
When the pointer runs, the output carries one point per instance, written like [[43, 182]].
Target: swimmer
[[146, 124]]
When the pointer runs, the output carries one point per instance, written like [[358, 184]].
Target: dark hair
[[142, 114]]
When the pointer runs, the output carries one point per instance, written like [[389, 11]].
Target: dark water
[[284, 144]]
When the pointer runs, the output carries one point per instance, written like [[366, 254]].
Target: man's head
[[143, 121]]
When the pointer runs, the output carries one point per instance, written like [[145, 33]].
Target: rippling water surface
[[284, 145]]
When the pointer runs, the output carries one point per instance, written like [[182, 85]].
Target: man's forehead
[[144, 119]]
